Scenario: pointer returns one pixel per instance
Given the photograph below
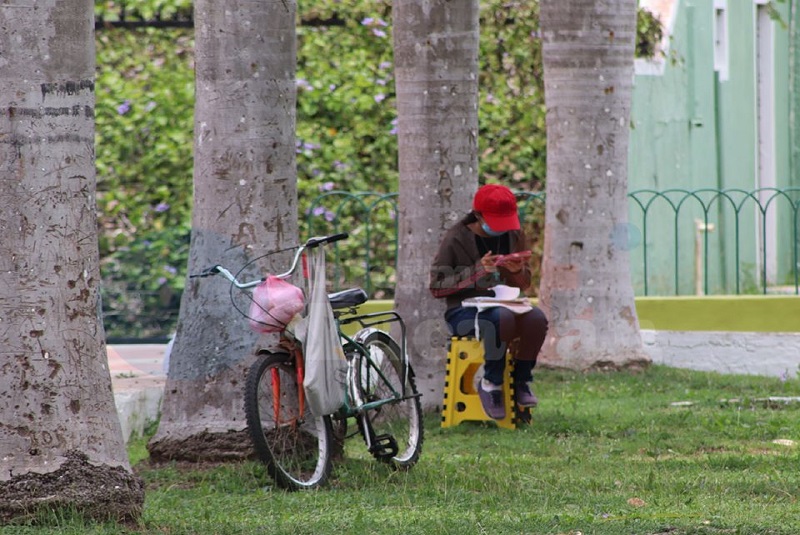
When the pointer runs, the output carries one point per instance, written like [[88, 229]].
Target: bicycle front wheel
[[294, 444], [393, 428]]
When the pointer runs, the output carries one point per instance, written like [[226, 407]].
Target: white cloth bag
[[325, 378]]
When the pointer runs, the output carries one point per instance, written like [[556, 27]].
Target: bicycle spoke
[[294, 444]]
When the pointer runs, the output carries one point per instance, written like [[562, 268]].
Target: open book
[[518, 305]]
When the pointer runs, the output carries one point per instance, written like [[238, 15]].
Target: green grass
[[606, 454]]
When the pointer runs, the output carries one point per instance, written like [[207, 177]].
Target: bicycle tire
[[401, 419], [296, 448]]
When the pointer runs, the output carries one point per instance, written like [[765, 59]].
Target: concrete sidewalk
[[137, 378]]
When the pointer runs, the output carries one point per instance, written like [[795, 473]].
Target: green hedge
[[345, 132]]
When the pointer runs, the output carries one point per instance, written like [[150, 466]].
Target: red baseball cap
[[498, 207]]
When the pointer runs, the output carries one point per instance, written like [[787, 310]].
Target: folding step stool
[[461, 401]]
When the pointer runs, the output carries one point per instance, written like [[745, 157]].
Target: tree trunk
[[436, 73], [245, 204], [586, 289], [61, 444]]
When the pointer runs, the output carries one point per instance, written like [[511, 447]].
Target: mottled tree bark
[[436, 76], [586, 289], [61, 444], [245, 204]]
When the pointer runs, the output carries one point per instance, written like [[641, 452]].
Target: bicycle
[[381, 395]]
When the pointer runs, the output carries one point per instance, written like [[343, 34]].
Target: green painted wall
[[794, 85], [692, 130], [659, 159]]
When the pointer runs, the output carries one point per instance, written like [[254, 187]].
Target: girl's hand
[[489, 262], [514, 262], [514, 265]]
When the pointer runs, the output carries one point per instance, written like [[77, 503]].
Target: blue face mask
[[488, 230]]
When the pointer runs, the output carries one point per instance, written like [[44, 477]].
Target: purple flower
[[371, 21], [490, 98], [329, 216], [303, 84], [385, 65], [380, 81], [162, 281], [162, 207], [378, 33], [327, 186], [171, 270], [332, 87], [379, 97], [319, 210], [124, 108]]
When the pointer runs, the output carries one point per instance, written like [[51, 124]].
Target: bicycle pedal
[[384, 446]]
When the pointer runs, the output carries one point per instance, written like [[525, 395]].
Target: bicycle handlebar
[[213, 270], [310, 244], [315, 242]]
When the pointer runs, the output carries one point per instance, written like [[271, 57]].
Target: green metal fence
[[703, 241], [369, 257], [680, 241], [738, 241]]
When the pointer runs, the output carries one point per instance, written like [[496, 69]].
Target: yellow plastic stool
[[461, 402]]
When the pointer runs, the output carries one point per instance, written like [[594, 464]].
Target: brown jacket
[[457, 274]]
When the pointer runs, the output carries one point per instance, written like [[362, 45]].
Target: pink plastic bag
[[275, 303]]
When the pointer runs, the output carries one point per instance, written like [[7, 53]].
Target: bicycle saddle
[[347, 298]]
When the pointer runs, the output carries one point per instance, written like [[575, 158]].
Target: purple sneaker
[[492, 401], [524, 396]]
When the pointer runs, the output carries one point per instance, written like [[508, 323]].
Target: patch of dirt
[[203, 447], [100, 492]]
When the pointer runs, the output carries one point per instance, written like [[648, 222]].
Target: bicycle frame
[[367, 321], [352, 406]]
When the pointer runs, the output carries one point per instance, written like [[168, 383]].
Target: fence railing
[[733, 231], [370, 254], [703, 241]]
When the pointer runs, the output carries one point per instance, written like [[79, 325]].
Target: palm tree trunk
[[61, 443], [436, 72], [245, 204], [586, 289]]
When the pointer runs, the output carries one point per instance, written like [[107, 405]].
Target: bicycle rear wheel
[[294, 444], [395, 428]]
